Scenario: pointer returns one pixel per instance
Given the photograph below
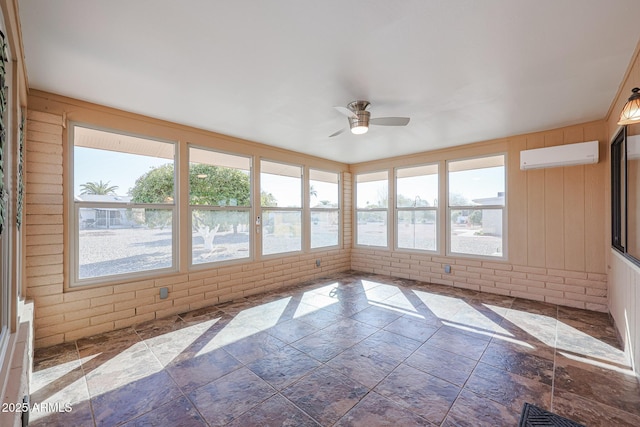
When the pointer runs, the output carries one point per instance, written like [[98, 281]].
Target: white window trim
[[8, 286], [262, 209], [435, 209], [74, 281], [250, 209], [312, 210], [447, 219], [389, 212]]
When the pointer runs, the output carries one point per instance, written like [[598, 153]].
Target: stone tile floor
[[351, 350]]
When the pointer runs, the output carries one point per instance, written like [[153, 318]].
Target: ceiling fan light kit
[[631, 111], [360, 118], [360, 123]]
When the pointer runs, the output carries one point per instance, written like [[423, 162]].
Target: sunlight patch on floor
[[398, 302], [580, 343], [43, 377], [513, 340], [317, 300], [539, 326], [599, 364], [460, 314], [175, 342], [394, 308], [247, 323], [263, 316]]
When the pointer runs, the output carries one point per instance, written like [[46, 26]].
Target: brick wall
[[564, 287]]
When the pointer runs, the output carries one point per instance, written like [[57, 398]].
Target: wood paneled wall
[[565, 207], [555, 232]]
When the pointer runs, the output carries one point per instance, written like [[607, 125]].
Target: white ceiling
[[270, 71]]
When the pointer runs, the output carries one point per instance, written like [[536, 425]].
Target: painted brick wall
[[564, 287]]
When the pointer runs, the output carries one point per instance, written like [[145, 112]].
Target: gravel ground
[[126, 250], [464, 240], [105, 252]]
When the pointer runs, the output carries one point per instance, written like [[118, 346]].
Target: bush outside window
[[220, 204]]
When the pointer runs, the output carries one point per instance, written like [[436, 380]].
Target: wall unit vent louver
[[582, 153]]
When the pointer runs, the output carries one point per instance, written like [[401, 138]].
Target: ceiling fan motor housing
[[360, 120]]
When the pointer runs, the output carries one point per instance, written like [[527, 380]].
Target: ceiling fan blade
[[347, 112], [338, 132], [389, 121]]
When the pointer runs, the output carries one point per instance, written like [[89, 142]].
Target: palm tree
[[98, 188]]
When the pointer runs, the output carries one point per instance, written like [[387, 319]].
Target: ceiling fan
[[359, 118]]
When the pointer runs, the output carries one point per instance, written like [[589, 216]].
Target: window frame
[[435, 209], [74, 206], [620, 194], [250, 209], [618, 190], [338, 210], [386, 210], [503, 208], [261, 223], [9, 261]]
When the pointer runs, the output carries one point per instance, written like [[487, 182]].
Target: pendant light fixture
[[631, 112]]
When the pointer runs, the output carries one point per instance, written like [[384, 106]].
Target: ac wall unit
[[582, 153]]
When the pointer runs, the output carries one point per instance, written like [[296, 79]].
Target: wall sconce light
[[631, 111]]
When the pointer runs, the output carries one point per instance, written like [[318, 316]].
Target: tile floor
[[351, 350]]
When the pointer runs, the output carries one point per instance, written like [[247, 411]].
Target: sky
[[122, 170], [91, 165], [471, 184], [477, 183]]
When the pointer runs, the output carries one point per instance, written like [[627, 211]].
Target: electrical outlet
[[317, 263], [447, 269], [164, 293]]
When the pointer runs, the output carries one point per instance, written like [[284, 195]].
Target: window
[[618, 191], [633, 198], [372, 201], [281, 201], [416, 207], [324, 202], [476, 205], [124, 209], [8, 262], [220, 204], [625, 195]]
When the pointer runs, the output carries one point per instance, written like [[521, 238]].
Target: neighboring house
[[491, 218], [105, 217]]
